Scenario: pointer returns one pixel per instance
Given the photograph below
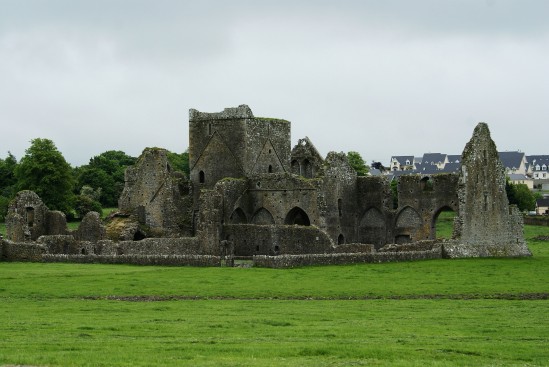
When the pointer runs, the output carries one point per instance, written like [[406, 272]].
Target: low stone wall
[[456, 250], [12, 251], [292, 261], [150, 246], [169, 260], [353, 248]]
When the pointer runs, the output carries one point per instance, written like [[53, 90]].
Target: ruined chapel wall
[[374, 211], [424, 196], [339, 198], [157, 197], [250, 239]]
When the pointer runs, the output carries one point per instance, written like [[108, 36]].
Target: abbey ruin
[[251, 196]]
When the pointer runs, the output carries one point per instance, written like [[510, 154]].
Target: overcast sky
[[379, 77]]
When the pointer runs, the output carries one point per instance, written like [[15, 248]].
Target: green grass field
[[481, 312]]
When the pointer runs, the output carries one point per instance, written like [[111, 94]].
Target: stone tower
[[486, 225], [234, 143]]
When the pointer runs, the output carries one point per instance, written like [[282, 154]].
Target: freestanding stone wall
[[486, 224]]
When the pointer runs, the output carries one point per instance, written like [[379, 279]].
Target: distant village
[[530, 170]]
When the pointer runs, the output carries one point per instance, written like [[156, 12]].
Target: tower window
[[201, 177]]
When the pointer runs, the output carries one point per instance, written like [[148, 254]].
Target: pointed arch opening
[[238, 217], [341, 239], [201, 177], [263, 217], [307, 169], [442, 225], [372, 228], [297, 216]]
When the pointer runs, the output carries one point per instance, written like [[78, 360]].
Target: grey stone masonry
[[486, 224]]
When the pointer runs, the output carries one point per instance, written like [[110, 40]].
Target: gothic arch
[[298, 217], [262, 216], [238, 217], [372, 227], [408, 217]]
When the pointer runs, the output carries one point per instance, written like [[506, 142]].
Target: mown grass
[[436, 313]]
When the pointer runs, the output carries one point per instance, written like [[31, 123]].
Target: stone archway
[[297, 216]]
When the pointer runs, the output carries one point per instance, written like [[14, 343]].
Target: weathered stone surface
[[306, 160], [157, 198], [486, 225], [91, 228], [28, 218], [250, 195]]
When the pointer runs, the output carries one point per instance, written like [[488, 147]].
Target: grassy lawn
[[435, 313]]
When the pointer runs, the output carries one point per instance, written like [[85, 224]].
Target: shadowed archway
[[297, 216]]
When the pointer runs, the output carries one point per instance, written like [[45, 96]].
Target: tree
[[7, 183], [106, 172], [355, 160], [520, 195], [180, 162], [87, 201], [7, 175], [45, 171]]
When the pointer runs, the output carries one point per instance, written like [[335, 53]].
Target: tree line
[[72, 190]]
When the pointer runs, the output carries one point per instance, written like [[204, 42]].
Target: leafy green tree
[[87, 201], [7, 175], [521, 196], [45, 171], [179, 162], [7, 183], [106, 172], [355, 160], [4, 203]]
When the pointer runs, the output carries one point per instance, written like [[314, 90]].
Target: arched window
[[340, 239], [201, 177], [270, 169]]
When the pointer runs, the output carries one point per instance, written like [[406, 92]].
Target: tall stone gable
[[486, 225]]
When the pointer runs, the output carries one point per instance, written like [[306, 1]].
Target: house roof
[[454, 158], [511, 159], [375, 172], [518, 177], [426, 169], [537, 159], [451, 167], [542, 202], [403, 158], [433, 158]]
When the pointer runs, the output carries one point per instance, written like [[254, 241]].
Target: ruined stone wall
[[163, 260], [274, 199], [234, 143], [22, 251], [486, 226], [306, 161], [156, 197], [250, 239], [421, 199], [29, 218], [292, 261], [338, 199], [375, 213], [91, 228]]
